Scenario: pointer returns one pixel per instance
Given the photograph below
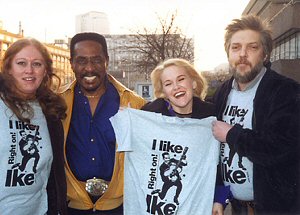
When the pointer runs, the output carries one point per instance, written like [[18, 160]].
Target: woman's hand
[[217, 209]]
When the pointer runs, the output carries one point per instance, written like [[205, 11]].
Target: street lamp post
[[125, 69], [128, 79]]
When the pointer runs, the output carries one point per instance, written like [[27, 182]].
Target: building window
[[298, 44], [293, 48], [287, 48], [281, 56], [277, 52]]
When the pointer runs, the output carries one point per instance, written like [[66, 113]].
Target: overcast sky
[[205, 20]]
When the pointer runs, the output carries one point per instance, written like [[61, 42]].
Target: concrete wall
[[284, 20]]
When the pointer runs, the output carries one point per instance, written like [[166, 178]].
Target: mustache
[[243, 61], [89, 74]]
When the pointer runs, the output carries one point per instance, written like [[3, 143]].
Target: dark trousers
[[116, 211], [242, 208]]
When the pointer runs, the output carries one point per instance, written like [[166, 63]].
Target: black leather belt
[[245, 203], [248, 205]]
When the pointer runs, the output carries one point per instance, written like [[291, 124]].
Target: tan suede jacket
[[78, 198]]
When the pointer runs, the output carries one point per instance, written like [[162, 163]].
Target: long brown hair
[[53, 106]]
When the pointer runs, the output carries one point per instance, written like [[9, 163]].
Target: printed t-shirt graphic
[[170, 163], [25, 162], [237, 170]]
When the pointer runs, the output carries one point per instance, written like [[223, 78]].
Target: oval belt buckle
[[96, 186]]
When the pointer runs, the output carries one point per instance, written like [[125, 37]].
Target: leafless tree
[[164, 42]]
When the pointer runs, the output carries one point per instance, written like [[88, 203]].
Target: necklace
[[183, 115], [97, 93], [92, 96]]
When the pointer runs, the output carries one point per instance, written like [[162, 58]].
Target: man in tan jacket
[[93, 167]]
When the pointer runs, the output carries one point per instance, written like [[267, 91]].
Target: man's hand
[[220, 130]]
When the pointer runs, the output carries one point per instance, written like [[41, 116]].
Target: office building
[[284, 18], [60, 56], [92, 22]]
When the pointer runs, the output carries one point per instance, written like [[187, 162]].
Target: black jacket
[[272, 144], [56, 187], [200, 110]]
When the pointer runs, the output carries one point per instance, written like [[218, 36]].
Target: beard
[[247, 76]]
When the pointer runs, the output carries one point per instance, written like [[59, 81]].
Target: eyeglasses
[[95, 60]]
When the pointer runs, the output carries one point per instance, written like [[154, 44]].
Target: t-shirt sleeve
[[121, 123]]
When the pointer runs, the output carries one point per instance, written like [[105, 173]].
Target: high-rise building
[[92, 21]]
